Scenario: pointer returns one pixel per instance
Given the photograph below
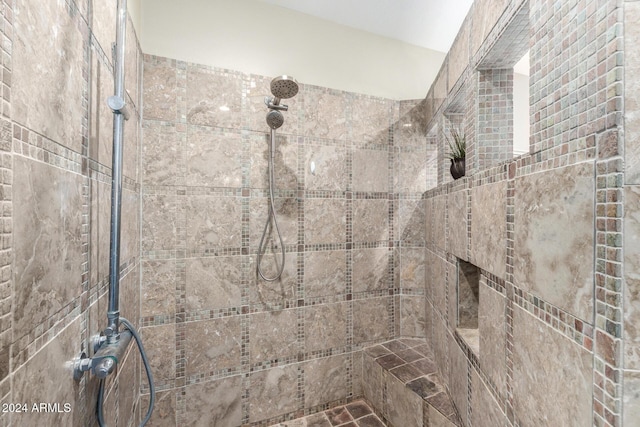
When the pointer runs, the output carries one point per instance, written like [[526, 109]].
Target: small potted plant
[[457, 152]]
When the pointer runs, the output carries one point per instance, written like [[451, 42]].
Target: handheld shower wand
[[282, 87]]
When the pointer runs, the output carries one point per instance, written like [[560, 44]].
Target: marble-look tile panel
[[631, 92], [458, 379], [631, 398], [214, 403], [286, 162], [439, 88], [436, 280], [132, 65], [160, 344], [128, 388], [413, 118], [130, 226], [554, 241], [436, 419], [370, 269], [213, 221], [325, 167], [370, 220], [131, 148], [101, 117], [554, 386], [489, 227], [492, 332], [48, 242], [409, 222], [159, 222], [458, 223], [272, 335], [458, 56], [485, 411], [158, 288], [372, 382], [212, 345], [325, 114], [412, 312], [130, 296], [324, 221], [275, 293], [438, 220], [213, 158], [104, 22], [370, 120], [485, 14], [402, 407], [57, 386], [429, 221], [632, 277], [286, 215], [256, 111], [325, 380], [370, 320], [162, 158], [213, 283], [214, 97], [164, 409], [452, 291], [412, 268], [273, 392], [160, 93], [370, 170], [441, 338], [100, 230], [48, 79], [411, 176], [324, 273], [325, 326]]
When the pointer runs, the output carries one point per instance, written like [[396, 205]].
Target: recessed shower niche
[[468, 301]]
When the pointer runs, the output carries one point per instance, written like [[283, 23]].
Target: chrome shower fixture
[[275, 119], [282, 87]]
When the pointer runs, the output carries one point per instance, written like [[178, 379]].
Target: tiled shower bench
[[401, 383]]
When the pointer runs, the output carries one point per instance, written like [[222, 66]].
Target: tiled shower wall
[[557, 289], [56, 167], [228, 348]]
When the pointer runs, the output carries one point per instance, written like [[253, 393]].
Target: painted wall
[[255, 37]]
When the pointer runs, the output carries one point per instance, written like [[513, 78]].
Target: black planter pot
[[457, 168]]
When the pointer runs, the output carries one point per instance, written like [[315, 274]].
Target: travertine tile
[[370, 320], [409, 222], [485, 14], [158, 288], [538, 389], [458, 378], [104, 23], [458, 223], [217, 402], [159, 222], [631, 92], [325, 167], [273, 392], [272, 335], [437, 219], [325, 326], [370, 120], [492, 332], [554, 238], [324, 114], [485, 411], [489, 227], [100, 230], [325, 380], [157, 339], [403, 407], [458, 56], [631, 398], [160, 89], [436, 280], [412, 268], [48, 242], [43, 98], [370, 220], [277, 292], [213, 283], [213, 221], [212, 345], [164, 409], [411, 175], [285, 166], [213, 158], [632, 277], [370, 269], [101, 123], [208, 90], [324, 273], [286, 216], [324, 221], [370, 170], [412, 311]]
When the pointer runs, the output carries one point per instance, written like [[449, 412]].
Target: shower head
[[283, 87], [275, 119]]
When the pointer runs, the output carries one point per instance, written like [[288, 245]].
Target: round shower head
[[284, 87], [275, 119]]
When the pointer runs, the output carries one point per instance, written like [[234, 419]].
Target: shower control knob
[[104, 367]]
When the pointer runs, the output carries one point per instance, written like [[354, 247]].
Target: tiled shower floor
[[355, 414]]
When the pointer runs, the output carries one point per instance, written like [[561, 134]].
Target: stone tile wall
[[546, 229], [352, 229], [56, 133]]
